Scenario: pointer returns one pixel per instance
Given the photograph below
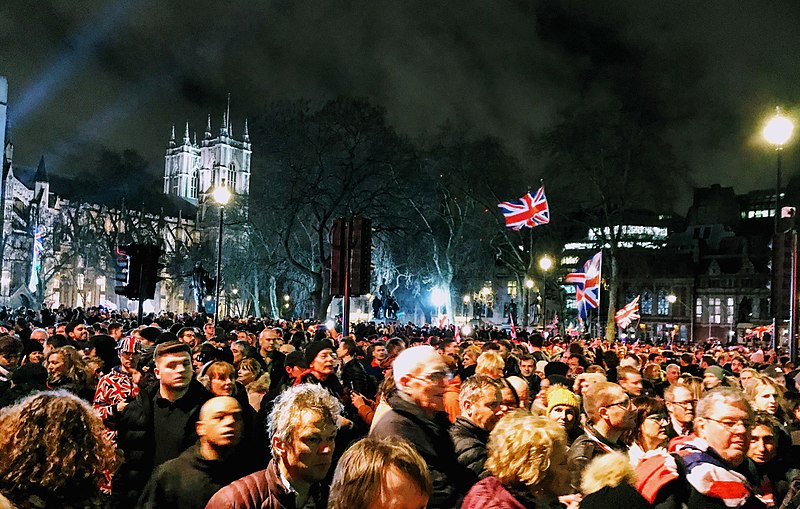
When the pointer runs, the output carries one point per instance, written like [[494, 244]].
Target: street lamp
[[222, 196], [777, 132], [466, 300], [545, 263], [529, 286], [672, 299]]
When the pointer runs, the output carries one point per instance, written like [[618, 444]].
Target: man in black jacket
[[417, 414], [159, 424], [353, 375], [191, 479], [480, 401]]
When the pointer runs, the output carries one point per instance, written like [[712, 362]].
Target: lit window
[[512, 289]]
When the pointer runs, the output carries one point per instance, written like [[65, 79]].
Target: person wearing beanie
[[563, 407], [319, 356], [713, 377]]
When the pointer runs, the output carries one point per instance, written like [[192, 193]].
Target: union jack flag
[[628, 313], [587, 284], [530, 211]]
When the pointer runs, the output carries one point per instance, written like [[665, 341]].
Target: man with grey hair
[[715, 471], [302, 431], [417, 414], [480, 400]]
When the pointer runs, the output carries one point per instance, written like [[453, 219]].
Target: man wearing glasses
[[680, 405], [417, 414], [610, 414], [714, 470]]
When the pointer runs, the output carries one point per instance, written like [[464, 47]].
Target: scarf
[[711, 475]]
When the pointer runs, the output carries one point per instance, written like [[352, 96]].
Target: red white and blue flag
[[529, 211], [587, 284], [628, 314]]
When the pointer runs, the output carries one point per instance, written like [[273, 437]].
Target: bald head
[[220, 425]]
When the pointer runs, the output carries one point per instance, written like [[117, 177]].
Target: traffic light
[[150, 267], [360, 256], [136, 271], [127, 271]]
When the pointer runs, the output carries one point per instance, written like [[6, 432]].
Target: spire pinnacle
[[172, 137], [208, 128], [186, 139], [246, 132]]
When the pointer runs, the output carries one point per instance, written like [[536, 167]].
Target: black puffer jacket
[[136, 439], [469, 442], [430, 438]]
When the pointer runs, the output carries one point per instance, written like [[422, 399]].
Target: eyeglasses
[[659, 418], [624, 404], [685, 404], [731, 425], [436, 376]]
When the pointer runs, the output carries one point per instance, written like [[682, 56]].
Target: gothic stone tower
[[192, 170]]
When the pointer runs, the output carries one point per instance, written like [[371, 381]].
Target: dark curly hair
[[54, 448]]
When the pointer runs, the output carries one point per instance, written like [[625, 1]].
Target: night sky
[[119, 74]]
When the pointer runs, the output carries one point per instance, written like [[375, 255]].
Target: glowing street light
[[778, 129], [439, 297], [529, 283], [777, 132], [672, 299], [286, 298], [545, 263], [221, 195]]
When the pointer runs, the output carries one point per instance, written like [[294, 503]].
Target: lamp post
[[672, 299], [222, 196], [529, 286], [465, 300], [545, 263], [777, 132]]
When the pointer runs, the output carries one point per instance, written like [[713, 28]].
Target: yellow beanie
[[560, 395]]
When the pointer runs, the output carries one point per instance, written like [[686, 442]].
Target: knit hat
[[315, 348], [557, 395], [129, 345], [150, 333], [540, 365], [295, 358], [556, 368], [716, 371]]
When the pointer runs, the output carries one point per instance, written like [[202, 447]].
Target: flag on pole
[[587, 284], [36, 260], [529, 211], [628, 313]]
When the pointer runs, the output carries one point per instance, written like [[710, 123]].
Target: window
[[512, 289], [715, 310], [662, 305], [647, 303], [729, 311]]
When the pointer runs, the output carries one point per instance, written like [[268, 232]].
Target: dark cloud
[[706, 72]]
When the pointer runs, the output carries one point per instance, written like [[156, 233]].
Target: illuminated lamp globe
[[466, 299], [221, 195], [672, 299], [545, 263], [778, 129], [528, 284]]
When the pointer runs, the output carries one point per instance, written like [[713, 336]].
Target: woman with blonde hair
[[765, 395], [255, 380], [527, 457], [490, 363], [67, 370], [55, 453]]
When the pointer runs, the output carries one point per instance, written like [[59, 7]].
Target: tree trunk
[[256, 297], [273, 298]]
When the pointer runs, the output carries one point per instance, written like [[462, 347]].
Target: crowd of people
[[98, 411]]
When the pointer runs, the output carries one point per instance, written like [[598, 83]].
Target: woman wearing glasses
[[650, 429]]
